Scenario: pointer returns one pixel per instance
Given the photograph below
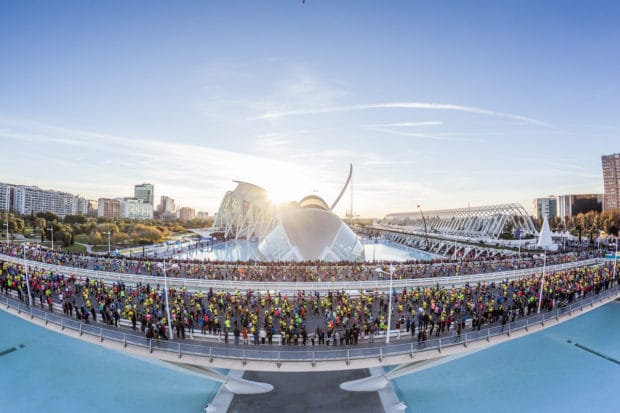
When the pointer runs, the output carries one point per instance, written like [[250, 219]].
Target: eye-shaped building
[[307, 230]]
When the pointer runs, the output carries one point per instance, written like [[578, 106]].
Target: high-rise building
[[92, 207], [81, 206], [611, 181], [109, 208], [31, 199], [6, 197], [186, 213], [545, 206], [571, 205], [166, 205], [145, 192]]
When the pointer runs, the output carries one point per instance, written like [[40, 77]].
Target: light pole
[[27, 281], [52, 231], [167, 300], [519, 231], [108, 233], [425, 228], [6, 225], [389, 320], [542, 281], [615, 258]]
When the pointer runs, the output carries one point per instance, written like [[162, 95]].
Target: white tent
[[544, 238]]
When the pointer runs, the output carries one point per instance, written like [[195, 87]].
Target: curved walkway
[[300, 358], [192, 284]]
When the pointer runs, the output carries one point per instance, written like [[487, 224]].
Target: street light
[[542, 280], [389, 321], [52, 230], [27, 281], [167, 299], [425, 228], [6, 224], [108, 233]]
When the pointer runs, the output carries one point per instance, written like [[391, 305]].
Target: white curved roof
[[311, 234]]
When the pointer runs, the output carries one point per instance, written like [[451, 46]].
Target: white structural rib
[[232, 384], [344, 188]]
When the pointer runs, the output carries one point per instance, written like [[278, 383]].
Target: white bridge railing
[[195, 284], [271, 354]]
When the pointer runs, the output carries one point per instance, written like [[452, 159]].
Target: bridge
[[203, 355], [488, 221]]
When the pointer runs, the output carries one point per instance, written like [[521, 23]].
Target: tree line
[[94, 230]]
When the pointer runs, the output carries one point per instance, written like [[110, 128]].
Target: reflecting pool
[[243, 250]]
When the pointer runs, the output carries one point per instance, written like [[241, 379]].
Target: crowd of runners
[[296, 272], [303, 318]]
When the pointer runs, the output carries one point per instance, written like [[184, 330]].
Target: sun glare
[[279, 194]]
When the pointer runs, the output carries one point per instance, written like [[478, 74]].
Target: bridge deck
[[291, 359]]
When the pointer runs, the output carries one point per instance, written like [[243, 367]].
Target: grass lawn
[[75, 248]]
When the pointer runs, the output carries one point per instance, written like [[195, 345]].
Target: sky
[[438, 104]]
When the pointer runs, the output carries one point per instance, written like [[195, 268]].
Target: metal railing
[[194, 284], [308, 354]]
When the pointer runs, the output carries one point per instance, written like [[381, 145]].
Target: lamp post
[[51, 229], [108, 233], [454, 252], [542, 281], [6, 225], [425, 228], [615, 258], [167, 300], [389, 320], [27, 281]]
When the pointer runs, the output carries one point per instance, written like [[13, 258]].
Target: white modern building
[[31, 199], [307, 230], [134, 208], [488, 221], [246, 212]]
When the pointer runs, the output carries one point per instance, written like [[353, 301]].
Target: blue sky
[[441, 104]]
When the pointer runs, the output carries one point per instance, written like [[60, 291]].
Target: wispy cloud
[[167, 163], [409, 162], [38, 138], [404, 124], [402, 105], [410, 134]]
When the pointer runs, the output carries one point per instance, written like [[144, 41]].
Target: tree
[[95, 238], [49, 217], [146, 234], [75, 219]]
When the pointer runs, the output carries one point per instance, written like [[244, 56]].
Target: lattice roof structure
[[246, 212], [487, 221]]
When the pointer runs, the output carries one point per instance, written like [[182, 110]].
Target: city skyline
[[513, 102]]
